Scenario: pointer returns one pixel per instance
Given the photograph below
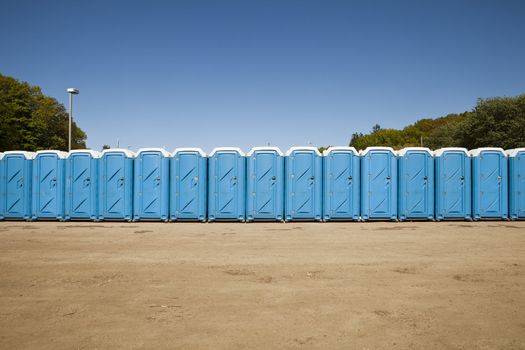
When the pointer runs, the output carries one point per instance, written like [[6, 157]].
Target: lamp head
[[73, 91]]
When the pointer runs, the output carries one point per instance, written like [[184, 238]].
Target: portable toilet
[[151, 190], [2, 190], [378, 183], [189, 175], [18, 170], [81, 199], [416, 183], [490, 186], [303, 185], [226, 179], [116, 184], [265, 184], [341, 173], [453, 183], [49, 182], [517, 183]]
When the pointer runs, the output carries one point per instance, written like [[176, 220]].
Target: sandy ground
[[455, 285]]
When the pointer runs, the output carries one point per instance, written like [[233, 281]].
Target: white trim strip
[[188, 149], [127, 152], [439, 152], [227, 149], [303, 148], [403, 151], [60, 154], [265, 149], [27, 155], [377, 148], [340, 149]]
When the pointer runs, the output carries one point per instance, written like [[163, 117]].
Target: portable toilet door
[[49, 171], [416, 183], [490, 186], [81, 200], [303, 186], [152, 188], [226, 178], [189, 174], [116, 184], [18, 170], [265, 184], [453, 184], [2, 187], [341, 173], [517, 183], [378, 183]]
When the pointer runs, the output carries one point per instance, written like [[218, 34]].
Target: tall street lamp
[[71, 92]]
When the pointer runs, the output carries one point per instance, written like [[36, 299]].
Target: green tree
[[31, 121], [495, 122]]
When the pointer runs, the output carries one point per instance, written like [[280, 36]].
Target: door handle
[[120, 182], [87, 182], [195, 180], [388, 178], [53, 183], [425, 178], [234, 180], [462, 178]]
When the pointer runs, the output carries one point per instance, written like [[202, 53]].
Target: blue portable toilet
[[416, 183], [18, 170], [378, 183], [227, 184], [151, 191], [265, 184], [453, 184], [81, 199], [341, 173], [115, 187], [189, 177], [303, 185], [517, 183], [49, 182], [490, 187], [2, 190]]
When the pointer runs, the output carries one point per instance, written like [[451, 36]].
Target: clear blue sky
[[245, 73]]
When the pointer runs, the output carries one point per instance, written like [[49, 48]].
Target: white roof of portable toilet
[[27, 155], [340, 148], [265, 148], [440, 151], [227, 149], [477, 151], [303, 148], [127, 152], [94, 154], [514, 152], [403, 151], [60, 154], [189, 149], [1, 155], [161, 150], [377, 148]]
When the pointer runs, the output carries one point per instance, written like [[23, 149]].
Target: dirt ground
[[455, 285]]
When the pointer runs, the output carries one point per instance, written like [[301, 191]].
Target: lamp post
[[71, 92]]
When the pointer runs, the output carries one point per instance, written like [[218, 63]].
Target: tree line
[[32, 121], [494, 122]]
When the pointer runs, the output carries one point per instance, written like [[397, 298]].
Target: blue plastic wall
[[227, 185], [517, 185], [17, 184], [303, 185], [416, 185], [265, 185], [115, 186], [490, 185], [188, 186], [48, 186], [378, 185], [2, 187], [341, 185], [151, 188], [81, 200], [453, 186]]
